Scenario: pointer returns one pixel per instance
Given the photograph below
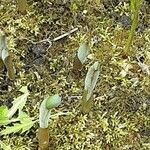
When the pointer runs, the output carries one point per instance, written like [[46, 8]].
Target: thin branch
[[54, 40], [65, 34]]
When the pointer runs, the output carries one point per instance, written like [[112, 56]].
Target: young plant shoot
[[80, 58], [90, 83], [5, 58], [45, 112]]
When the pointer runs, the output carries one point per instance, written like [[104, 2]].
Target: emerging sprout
[[83, 52], [5, 58], [90, 83], [91, 79], [80, 58], [45, 109], [45, 112]]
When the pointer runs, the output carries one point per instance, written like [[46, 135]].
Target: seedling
[[45, 112], [5, 58], [90, 83], [80, 58]]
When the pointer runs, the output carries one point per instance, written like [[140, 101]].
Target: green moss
[[121, 104]]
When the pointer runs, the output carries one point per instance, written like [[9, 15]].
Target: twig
[[65, 34], [55, 39]]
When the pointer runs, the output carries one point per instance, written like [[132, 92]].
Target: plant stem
[[133, 27], [86, 105], [43, 136]]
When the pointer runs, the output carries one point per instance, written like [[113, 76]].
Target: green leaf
[[45, 109], [3, 115], [4, 146], [24, 118], [25, 124], [83, 52], [91, 79], [18, 103]]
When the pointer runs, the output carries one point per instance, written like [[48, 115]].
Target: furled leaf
[[45, 109], [5, 57], [3, 115], [53, 101], [3, 49], [44, 115], [18, 104], [83, 52], [91, 79]]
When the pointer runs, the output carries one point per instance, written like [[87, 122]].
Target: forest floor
[[120, 116]]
